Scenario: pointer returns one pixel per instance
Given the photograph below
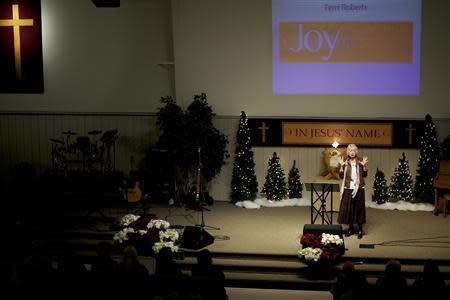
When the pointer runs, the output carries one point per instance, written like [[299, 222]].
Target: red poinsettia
[[311, 240], [331, 247]]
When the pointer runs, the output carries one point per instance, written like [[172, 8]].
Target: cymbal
[[57, 141], [109, 136], [69, 132], [95, 132]]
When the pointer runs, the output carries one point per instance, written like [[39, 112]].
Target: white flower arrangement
[[123, 234], [159, 224], [148, 230], [310, 253], [159, 245], [169, 234], [128, 219], [328, 239]]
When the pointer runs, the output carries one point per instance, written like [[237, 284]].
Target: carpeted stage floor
[[276, 230], [258, 247]]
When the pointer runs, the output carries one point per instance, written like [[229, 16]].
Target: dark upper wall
[[109, 60], [224, 48], [101, 59]]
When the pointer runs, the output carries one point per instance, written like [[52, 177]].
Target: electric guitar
[[134, 194], [201, 197]]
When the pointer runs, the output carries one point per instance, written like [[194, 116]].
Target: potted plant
[[192, 142], [321, 251]]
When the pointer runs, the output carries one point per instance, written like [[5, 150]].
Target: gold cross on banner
[[15, 22], [263, 131], [410, 130]]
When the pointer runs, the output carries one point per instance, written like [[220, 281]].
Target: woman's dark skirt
[[352, 210]]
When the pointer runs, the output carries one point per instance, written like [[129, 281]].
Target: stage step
[[242, 270]]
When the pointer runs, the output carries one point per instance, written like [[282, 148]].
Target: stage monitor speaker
[[196, 237], [325, 228]]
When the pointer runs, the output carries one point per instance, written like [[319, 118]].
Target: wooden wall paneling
[[25, 137], [5, 149], [14, 140], [34, 145], [221, 185]]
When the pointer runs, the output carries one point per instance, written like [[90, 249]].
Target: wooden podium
[[322, 199]]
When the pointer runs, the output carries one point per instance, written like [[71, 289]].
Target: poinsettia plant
[[147, 233], [317, 246]]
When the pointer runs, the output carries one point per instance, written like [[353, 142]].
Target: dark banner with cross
[[21, 65], [313, 132]]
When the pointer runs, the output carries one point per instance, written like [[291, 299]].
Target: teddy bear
[[330, 159]]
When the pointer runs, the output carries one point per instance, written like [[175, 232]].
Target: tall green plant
[[191, 140]]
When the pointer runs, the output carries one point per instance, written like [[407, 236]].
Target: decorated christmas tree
[[380, 189], [401, 187], [295, 186], [275, 185], [244, 185], [428, 164]]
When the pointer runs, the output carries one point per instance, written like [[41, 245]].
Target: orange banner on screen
[[381, 42], [318, 133]]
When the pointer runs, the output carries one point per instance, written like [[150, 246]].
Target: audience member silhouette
[[133, 274], [205, 267], [392, 285], [430, 284], [350, 284], [208, 280], [165, 263], [104, 262], [35, 274], [71, 272], [169, 282], [104, 270]]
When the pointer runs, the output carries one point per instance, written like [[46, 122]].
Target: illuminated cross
[[263, 129], [410, 130], [15, 22]]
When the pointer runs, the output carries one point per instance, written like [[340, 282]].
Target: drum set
[[85, 153]]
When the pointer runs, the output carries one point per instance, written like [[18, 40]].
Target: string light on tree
[[380, 189], [275, 184], [428, 163], [401, 187], [244, 185], [295, 185]]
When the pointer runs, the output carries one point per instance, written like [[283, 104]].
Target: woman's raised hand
[[365, 160]]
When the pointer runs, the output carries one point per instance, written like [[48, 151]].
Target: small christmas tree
[[295, 186], [428, 164], [401, 182], [275, 185], [244, 185], [380, 189]]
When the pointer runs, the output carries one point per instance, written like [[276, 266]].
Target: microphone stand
[[199, 193]]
